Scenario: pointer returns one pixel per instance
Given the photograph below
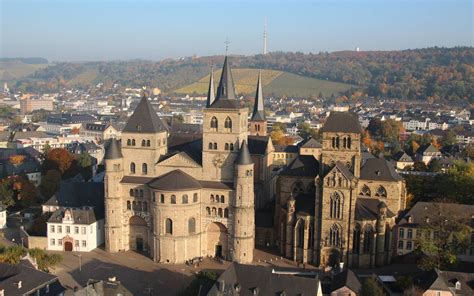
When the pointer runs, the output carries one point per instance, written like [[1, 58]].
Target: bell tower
[[258, 121]]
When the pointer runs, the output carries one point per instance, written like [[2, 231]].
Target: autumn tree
[[6, 193], [58, 158]]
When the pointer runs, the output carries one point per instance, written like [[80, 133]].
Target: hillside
[[13, 69], [274, 82], [431, 74]]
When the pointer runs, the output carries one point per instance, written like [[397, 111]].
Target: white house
[[75, 229]]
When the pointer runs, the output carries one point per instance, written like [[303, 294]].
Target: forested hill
[[433, 74]]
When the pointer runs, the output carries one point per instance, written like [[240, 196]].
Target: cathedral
[[177, 192]]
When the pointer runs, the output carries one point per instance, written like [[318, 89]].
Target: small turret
[[244, 157], [210, 93], [258, 121]]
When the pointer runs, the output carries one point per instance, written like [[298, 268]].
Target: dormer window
[[458, 285], [139, 127]]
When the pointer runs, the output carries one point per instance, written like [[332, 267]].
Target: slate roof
[[144, 119], [174, 180], [225, 97], [258, 113], [193, 149], [217, 185], [31, 280], [135, 180], [5, 135], [344, 122], [346, 278], [402, 157], [344, 170], [103, 288], [378, 169], [311, 143], [436, 211], [251, 277], [367, 209], [84, 216], [77, 195], [427, 148], [440, 280], [244, 155], [28, 166], [113, 149], [286, 148], [211, 96], [258, 144], [303, 165]]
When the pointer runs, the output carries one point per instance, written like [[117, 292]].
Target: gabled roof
[[367, 209], [303, 165], [402, 157], [85, 216], [258, 144], [259, 106], [113, 150], [175, 180], [225, 97], [344, 171], [244, 155], [427, 148], [378, 169], [311, 143], [78, 194], [346, 278], [144, 119], [344, 122]]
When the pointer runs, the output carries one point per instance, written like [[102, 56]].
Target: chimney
[[221, 284], [19, 284]]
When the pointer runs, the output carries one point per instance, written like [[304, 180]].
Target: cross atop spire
[[226, 42], [259, 107]]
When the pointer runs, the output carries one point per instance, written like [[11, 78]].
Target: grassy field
[[274, 82], [12, 70], [85, 78]]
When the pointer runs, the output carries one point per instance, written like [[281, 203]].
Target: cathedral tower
[[258, 121], [113, 205], [224, 128], [243, 207]]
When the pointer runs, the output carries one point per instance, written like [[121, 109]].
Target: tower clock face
[[218, 160]]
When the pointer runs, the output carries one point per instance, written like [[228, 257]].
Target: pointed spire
[[259, 106], [226, 90], [144, 119], [113, 150], [244, 155], [210, 93]]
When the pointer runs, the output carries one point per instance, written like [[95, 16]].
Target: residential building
[[29, 105], [426, 153]]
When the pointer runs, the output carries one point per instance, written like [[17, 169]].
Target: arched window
[[143, 143], [210, 146], [208, 211], [148, 143], [214, 212], [310, 237], [226, 213], [185, 199], [349, 140], [162, 198], [139, 206], [133, 142], [222, 199], [129, 142], [145, 206], [131, 192], [356, 240], [335, 206], [169, 226], [141, 192], [381, 192], [300, 234], [173, 199], [212, 198], [335, 236], [132, 168], [215, 146], [333, 144], [365, 191], [191, 225], [134, 205], [144, 169], [337, 142], [297, 187], [226, 146], [228, 123], [368, 239], [219, 212], [231, 146], [344, 142], [129, 205], [195, 197], [214, 122]]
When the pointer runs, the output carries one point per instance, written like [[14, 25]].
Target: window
[[144, 169], [191, 225], [400, 244], [438, 293], [231, 147], [195, 197], [76, 230], [139, 206], [83, 230], [184, 199], [300, 234], [132, 168], [226, 213], [226, 146], [143, 143], [344, 142], [208, 211], [212, 198], [297, 188], [134, 205], [76, 243], [129, 205], [368, 233], [349, 140], [154, 197], [210, 146], [162, 198], [215, 146], [409, 245], [173, 199], [333, 144], [68, 229], [131, 192], [51, 228], [148, 143], [219, 212], [214, 212], [133, 142], [129, 142], [214, 123], [335, 206], [365, 191], [409, 233], [401, 233], [145, 206], [60, 242], [381, 192], [356, 240], [53, 241], [334, 235], [60, 229], [228, 123], [169, 226], [141, 193], [222, 199]]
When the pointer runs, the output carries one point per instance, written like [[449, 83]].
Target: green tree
[[448, 139], [50, 183], [434, 165], [46, 262], [84, 163], [371, 288], [6, 193]]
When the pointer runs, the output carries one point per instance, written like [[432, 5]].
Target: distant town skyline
[[121, 30]]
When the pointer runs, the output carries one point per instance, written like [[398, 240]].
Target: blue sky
[[111, 30]]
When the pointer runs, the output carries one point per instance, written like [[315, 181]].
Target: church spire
[[210, 94], [259, 107], [226, 90]]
